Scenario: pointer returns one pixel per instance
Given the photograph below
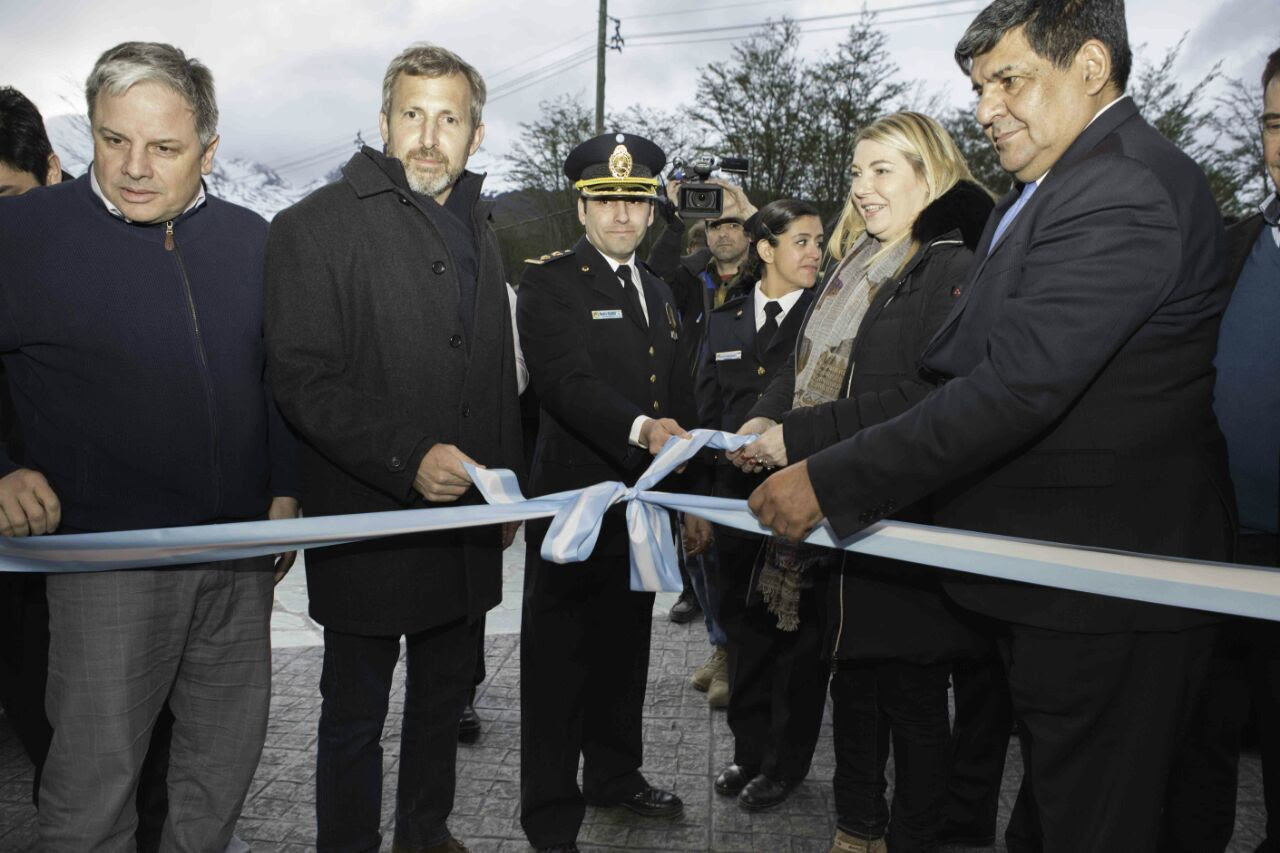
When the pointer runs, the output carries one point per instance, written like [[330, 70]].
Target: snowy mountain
[[244, 182]]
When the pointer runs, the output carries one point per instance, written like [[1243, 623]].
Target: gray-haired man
[[131, 333], [391, 353]]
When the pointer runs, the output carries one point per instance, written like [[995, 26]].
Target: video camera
[[697, 199]]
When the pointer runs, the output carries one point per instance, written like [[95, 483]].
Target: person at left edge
[[131, 335], [390, 348], [601, 338]]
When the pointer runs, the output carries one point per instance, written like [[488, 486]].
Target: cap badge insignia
[[620, 162]]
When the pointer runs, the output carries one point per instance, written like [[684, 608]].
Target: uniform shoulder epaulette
[[554, 256]]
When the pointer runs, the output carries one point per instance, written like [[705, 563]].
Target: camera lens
[[702, 200]]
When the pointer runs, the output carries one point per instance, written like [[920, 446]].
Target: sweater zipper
[[170, 245]]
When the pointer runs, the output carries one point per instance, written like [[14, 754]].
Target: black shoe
[[764, 792], [469, 725], [649, 802], [686, 608], [733, 779], [559, 848]]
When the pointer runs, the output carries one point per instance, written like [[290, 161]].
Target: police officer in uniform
[[601, 338]]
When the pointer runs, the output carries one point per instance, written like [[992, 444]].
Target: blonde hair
[[931, 152]]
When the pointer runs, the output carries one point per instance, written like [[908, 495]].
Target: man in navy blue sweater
[[130, 327]]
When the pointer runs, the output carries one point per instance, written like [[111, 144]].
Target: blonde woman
[[902, 248]]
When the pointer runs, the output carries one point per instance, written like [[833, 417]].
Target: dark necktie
[[770, 326], [630, 296]]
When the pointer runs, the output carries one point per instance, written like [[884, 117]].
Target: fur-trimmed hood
[[965, 207]]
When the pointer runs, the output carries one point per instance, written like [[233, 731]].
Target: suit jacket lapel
[[659, 320], [790, 324], [1089, 138], [605, 281]]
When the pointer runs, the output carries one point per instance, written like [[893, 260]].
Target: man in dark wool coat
[[601, 338], [1077, 407], [391, 354]]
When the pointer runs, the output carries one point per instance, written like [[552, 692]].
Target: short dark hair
[[24, 145], [1272, 69], [1055, 29], [770, 223]]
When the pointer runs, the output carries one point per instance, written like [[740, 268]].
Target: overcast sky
[[297, 80]]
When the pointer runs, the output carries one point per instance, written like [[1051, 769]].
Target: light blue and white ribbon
[[1218, 587]]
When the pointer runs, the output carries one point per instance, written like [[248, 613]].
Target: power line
[[804, 20], [702, 9], [536, 57], [538, 74], [805, 31]]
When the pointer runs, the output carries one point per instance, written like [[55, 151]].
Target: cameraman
[[699, 282]]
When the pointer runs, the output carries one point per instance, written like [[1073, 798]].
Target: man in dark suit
[[1245, 671], [391, 354], [1076, 407], [602, 342]]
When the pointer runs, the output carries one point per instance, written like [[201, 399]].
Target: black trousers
[[24, 670], [979, 744], [1244, 674], [1100, 715], [584, 665], [873, 702], [777, 679], [355, 686]]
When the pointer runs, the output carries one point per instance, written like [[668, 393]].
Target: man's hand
[[28, 506], [655, 432], [736, 202], [283, 507], [441, 477], [695, 534], [509, 529], [786, 504], [755, 426]]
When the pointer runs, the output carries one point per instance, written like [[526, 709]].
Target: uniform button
[[404, 200], [760, 370], [395, 463], [455, 341], [759, 396], [650, 350], [653, 378], [655, 405], [438, 268], [466, 411]]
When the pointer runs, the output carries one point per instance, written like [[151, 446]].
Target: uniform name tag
[[731, 355], [611, 314]]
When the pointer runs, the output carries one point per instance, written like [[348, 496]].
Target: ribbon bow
[[576, 526]]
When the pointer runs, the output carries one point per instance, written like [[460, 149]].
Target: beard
[[431, 180]]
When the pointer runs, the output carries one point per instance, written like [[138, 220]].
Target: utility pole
[[600, 51]]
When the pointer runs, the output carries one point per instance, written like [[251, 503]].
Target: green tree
[[754, 107], [977, 149], [846, 91]]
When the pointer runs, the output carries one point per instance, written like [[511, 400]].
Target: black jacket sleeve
[[810, 429]]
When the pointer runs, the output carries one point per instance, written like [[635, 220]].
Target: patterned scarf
[[824, 358]]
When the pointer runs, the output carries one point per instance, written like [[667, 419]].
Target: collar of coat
[[964, 209], [370, 172]]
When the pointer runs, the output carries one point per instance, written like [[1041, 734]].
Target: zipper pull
[[168, 236]]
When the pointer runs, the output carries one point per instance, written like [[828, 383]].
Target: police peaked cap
[[616, 164]]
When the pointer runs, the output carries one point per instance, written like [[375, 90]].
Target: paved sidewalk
[[686, 744]]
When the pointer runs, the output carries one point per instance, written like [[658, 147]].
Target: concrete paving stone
[[686, 745]]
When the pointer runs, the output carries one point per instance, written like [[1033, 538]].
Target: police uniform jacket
[[736, 370], [596, 366]]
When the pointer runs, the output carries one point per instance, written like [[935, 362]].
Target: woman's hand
[[747, 458]]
